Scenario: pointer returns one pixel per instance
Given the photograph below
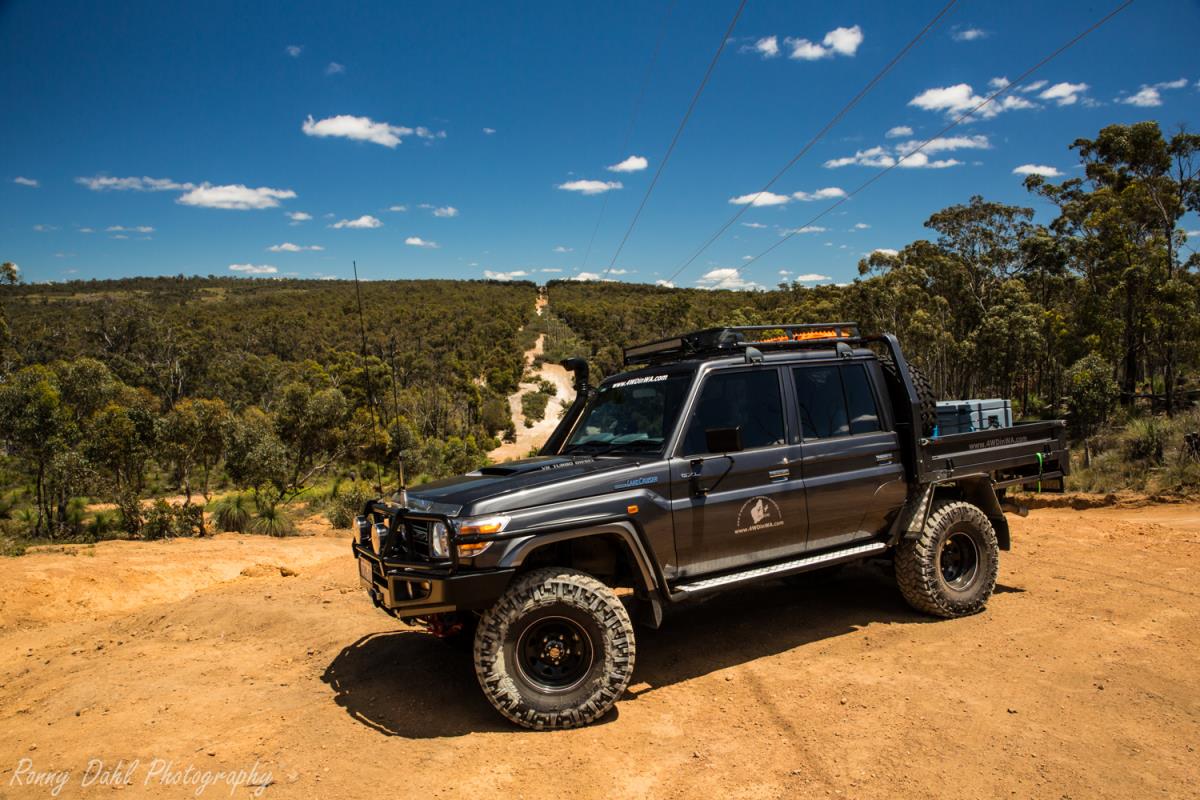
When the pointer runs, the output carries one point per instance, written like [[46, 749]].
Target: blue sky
[[444, 139]]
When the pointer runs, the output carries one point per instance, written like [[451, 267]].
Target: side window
[[822, 402], [860, 400], [749, 401]]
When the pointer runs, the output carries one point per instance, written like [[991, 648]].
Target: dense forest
[[114, 391]]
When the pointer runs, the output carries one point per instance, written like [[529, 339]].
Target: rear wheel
[[556, 651], [950, 569]]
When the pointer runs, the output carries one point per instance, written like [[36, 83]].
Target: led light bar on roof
[[715, 341]]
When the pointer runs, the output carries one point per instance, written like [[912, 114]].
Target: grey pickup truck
[[723, 457]]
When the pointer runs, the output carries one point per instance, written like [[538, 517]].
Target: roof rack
[[726, 341]]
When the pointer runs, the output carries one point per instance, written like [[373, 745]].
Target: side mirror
[[723, 440]]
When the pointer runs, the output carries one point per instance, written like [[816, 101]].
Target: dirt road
[[529, 438], [1078, 682]]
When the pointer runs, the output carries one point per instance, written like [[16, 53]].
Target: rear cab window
[[835, 400]]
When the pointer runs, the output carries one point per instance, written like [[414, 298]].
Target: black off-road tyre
[[556, 651], [925, 395], [950, 569]]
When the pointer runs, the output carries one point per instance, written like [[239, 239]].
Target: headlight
[[479, 526], [439, 540]]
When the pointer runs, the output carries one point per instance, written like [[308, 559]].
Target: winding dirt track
[[529, 438], [1079, 681]]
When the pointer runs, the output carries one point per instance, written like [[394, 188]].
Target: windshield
[[635, 415]]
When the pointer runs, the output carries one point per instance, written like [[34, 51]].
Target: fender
[[978, 490], [622, 530]]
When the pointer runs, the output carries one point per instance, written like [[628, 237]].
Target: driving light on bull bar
[[480, 526], [439, 540], [363, 526]]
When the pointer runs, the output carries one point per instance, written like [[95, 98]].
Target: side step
[[783, 568]]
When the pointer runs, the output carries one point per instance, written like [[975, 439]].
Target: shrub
[[273, 520], [232, 513], [342, 509], [160, 521], [1146, 440], [533, 406], [102, 526]]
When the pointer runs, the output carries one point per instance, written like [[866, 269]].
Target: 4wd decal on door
[[758, 514]]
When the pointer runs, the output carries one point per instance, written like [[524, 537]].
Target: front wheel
[[950, 569], [556, 651]]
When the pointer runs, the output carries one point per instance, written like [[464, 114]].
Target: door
[[735, 508], [853, 476]]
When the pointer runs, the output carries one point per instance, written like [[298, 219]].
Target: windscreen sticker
[[637, 381], [645, 480], [758, 514]]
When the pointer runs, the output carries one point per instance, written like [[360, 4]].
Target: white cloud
[[504, 276], [631, 164], [1065, 94], [550, 269], [760, 199], [40, 228], [365, 129], [785, 272], [862, 226], [299, 216], [365, 221], [234, 197], [398, 208], [839, 41], [1191, 234], [335, 68], [805, 229], [871, 157], [294, 50], [417, 241], [118, 236], [898, 131], [905, 154], [620, 271], [253, 269], [30, 182], [288, 247], [1146, 97], [844, 41], [828, 193], [961, 98], [885, 251], [561, 249], [445, 211], [755, 225], [87, 230], [590, 187], [489, 131], [726, 278], [767, 47], [967, 34], [811, 277], [945, 143], [1035, 86], [585, 276], [135, 229], [664, 283], [1036, 169], [100, 183]]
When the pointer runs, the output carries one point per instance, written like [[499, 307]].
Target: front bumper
[[406, 592]]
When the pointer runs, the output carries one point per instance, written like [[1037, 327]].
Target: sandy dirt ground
[[1079, 681], [536, 436]]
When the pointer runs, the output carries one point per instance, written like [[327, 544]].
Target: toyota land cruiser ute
[[728, 456]]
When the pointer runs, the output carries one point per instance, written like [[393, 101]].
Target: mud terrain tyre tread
[[918, 570], [925, 395], [544, 590]]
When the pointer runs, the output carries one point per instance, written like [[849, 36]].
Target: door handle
[[777, 475]]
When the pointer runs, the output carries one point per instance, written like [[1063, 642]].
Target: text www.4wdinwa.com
[[155, 772]]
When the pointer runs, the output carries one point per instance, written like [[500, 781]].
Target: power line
[[957, 121], [819, 135], [678, 132], [637, 105]]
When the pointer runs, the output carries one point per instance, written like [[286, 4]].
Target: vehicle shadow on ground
[[407, 683], [766, 619]]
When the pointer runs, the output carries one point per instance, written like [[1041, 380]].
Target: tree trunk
[[1129, 378]]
